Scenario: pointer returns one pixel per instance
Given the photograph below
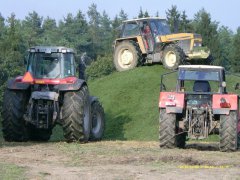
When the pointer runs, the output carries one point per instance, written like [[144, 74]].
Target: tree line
[[94, 33]]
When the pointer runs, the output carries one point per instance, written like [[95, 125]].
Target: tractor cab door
[[148, 37]]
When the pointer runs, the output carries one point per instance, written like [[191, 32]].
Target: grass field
[[130, 100]]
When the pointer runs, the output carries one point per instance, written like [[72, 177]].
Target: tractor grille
[[185, 45]]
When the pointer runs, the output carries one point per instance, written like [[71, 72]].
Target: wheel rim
[[96, 122], [125, 58], [170, 59]]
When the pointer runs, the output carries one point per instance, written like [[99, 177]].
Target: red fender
[[172, 101]]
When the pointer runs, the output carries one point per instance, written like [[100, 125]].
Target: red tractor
[[198, 106], [50, 93]]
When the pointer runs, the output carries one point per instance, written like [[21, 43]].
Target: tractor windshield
[[206, 81], [160, 27], [53, 65], [199, 75]]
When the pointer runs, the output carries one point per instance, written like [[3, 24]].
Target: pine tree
[[236, 52], [94, 28], [50, 32], [173, 18], [184, 25], [140, 14], [226, 46], [32, 28], [203, 25]]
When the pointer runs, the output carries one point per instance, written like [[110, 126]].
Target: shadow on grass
[[114, 126], [203, 146]]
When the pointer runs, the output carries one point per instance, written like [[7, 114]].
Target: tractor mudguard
[[223, 103], [172, 101], [14, 85], [72, 87]]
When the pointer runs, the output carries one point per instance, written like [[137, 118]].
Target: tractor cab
[[51, 62], [198, 79]]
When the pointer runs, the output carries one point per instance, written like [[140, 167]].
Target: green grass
[[10, 171], [130, 101]]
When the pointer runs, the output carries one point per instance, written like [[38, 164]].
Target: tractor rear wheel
[[97, 121], [173, 56], [228, 132], [167, 129], [14, 107], [126, 56], [76, 115]]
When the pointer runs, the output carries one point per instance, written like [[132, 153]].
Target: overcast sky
[[227, 13]]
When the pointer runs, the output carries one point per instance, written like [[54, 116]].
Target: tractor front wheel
[[228, 132], [76, 115], [126, 55], [173, 55], [98, 122]]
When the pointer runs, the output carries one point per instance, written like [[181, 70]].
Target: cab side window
[[131, 29]]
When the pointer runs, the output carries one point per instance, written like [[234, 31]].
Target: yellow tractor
[[149, 40]]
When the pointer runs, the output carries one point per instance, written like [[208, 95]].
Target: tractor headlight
[[197, 44]]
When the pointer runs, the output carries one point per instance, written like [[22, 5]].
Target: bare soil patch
[[120, 160]]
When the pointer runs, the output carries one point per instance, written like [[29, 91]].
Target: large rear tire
[[98, 122], [126, 55], [167, 129], [173, 56], [228, 132], [76, 115], [14, 107]]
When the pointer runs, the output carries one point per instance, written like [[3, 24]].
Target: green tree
[[146, 14], [173, 18], [184, 25], [106, 36], [50, 32], [12, 53], [226, 46], [202, 24], [122, 15], [94, 28], [32, 28], [236, 51], [140, 14]]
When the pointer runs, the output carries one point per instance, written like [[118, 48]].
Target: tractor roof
[[199, 67], [142, 19], [51, 49]]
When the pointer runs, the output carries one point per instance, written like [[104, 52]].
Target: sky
[[225, 12]]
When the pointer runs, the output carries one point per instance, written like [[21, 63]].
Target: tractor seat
[[201, 86]]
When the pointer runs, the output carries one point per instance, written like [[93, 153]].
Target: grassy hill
[[130, 100]]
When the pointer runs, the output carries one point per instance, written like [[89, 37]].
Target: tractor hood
[[179, 37]]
